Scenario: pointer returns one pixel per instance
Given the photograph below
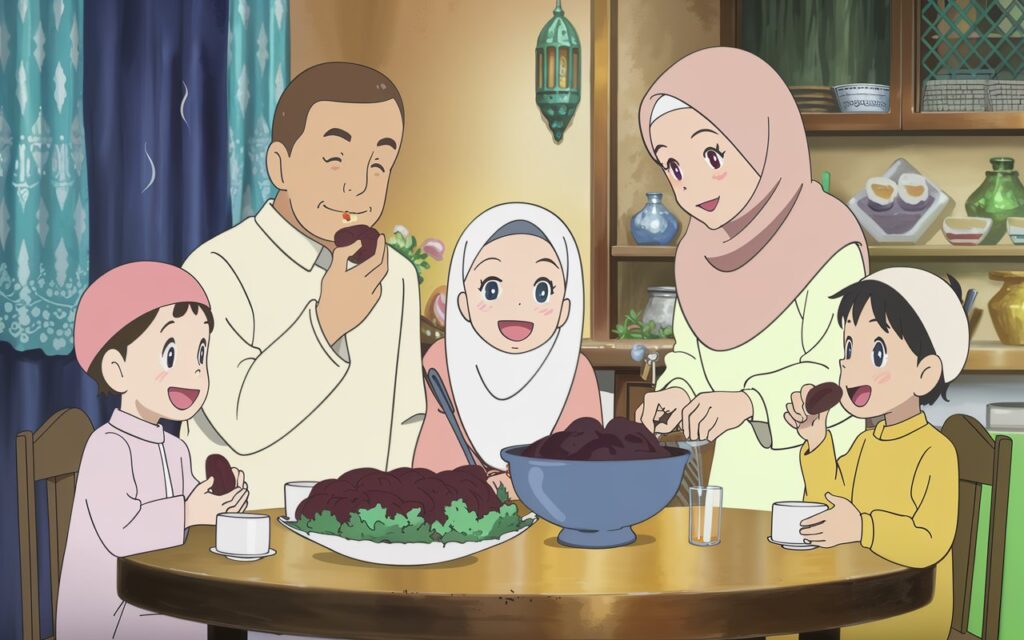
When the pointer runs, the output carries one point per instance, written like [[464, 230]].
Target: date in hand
[[366, 236], [218, 468]]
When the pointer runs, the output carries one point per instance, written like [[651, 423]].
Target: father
[[314, 367]]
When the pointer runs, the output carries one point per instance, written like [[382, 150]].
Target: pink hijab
[[734, 281]]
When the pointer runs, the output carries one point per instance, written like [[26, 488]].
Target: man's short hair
[[328, 82]]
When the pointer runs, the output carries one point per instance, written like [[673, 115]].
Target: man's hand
[[348, 295], [810, 427], [711, 414], [658, 403], [839, 525]]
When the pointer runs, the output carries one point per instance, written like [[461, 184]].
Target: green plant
[[633, 328], [405, 243]]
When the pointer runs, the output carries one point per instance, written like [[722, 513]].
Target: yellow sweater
[[903, 479]]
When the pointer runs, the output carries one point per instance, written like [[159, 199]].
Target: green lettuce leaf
[[460, 525], [463, 525], [375, 525]]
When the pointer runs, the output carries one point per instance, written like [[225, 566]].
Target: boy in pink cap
[[142, 330]]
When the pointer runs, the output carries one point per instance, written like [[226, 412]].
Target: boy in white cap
[[906, 339]]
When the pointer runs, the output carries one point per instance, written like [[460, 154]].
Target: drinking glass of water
[[705, 516]]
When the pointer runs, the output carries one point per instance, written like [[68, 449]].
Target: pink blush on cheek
[[883, 379], [719, 176], [545, 311], [483, 306], [160, 376]]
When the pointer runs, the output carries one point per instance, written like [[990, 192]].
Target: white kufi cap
[[940, 311]]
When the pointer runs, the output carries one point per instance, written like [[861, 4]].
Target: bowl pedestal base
[[596, 539]]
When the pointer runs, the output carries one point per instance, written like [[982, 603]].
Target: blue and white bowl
[[1015, 229], [862, 98]]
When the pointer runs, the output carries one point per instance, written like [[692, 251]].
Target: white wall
[[971, 393]]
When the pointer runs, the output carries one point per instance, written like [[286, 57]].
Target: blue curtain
[[44, 241], [155, 123], [155, 117], [257, 74]]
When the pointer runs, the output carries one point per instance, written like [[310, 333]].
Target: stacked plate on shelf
[[814, 99]]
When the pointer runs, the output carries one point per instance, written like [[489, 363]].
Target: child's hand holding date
[[348, 295], [808, 408], [202, 505], [223, 491]]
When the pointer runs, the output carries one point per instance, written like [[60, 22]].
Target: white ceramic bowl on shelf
[[966, 231], [862, 98], [1015, 229]]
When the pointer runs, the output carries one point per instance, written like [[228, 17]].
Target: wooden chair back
[[982, 461], [53, 453]]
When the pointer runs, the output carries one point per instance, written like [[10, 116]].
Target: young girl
[[511, 359], [142, 330]]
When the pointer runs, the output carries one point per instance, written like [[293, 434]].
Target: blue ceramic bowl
[[596, 502]]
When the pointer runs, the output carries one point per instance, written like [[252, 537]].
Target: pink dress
[[438, 450], [129, 499]]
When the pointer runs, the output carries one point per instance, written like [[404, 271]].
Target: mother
[[765, 251]]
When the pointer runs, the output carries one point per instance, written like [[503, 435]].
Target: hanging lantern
[[558, 71]]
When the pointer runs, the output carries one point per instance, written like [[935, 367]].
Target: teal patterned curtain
[[44, 250], [258, 72]]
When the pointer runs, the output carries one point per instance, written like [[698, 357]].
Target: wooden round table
[[531, 587]]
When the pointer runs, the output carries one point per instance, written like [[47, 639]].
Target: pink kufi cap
[[124, 294]]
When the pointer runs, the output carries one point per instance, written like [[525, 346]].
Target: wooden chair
[[982, 461], [52, 453]]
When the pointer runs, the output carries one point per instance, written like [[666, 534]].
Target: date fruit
[[218, 468], [823, 397], [366, 236]]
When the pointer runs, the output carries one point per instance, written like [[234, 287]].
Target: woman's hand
[[670, 400], [810, 427], [502, 478], [711, 414]]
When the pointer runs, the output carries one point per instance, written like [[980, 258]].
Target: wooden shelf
[[889, 252], [984, 356], [948, 252], [643, 252], [994, 357], [615, 354]]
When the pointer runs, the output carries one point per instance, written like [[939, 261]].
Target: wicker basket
[[1006, 95], [955, 95]]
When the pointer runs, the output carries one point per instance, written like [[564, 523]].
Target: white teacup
[[294, 494], [786, 518], [243, 534]]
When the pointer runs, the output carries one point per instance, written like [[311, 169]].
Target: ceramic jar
[[661, 306], [1007, 307], [999, 197], [654, 224]]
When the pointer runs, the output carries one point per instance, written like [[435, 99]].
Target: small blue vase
[[654, 224]]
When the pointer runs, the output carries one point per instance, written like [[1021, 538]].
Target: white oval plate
[[403, 554], [793, 547], [243, 558]]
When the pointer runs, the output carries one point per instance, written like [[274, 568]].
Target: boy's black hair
[[131, 332], [892, 310]]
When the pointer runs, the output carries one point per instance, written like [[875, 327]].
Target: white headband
[[939, 310], [666, 104]]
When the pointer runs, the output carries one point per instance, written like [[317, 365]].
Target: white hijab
[[507, 399]]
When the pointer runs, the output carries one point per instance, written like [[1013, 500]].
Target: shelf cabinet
[[950, 65]]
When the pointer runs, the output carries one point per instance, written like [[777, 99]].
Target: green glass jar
[[999, 197]]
